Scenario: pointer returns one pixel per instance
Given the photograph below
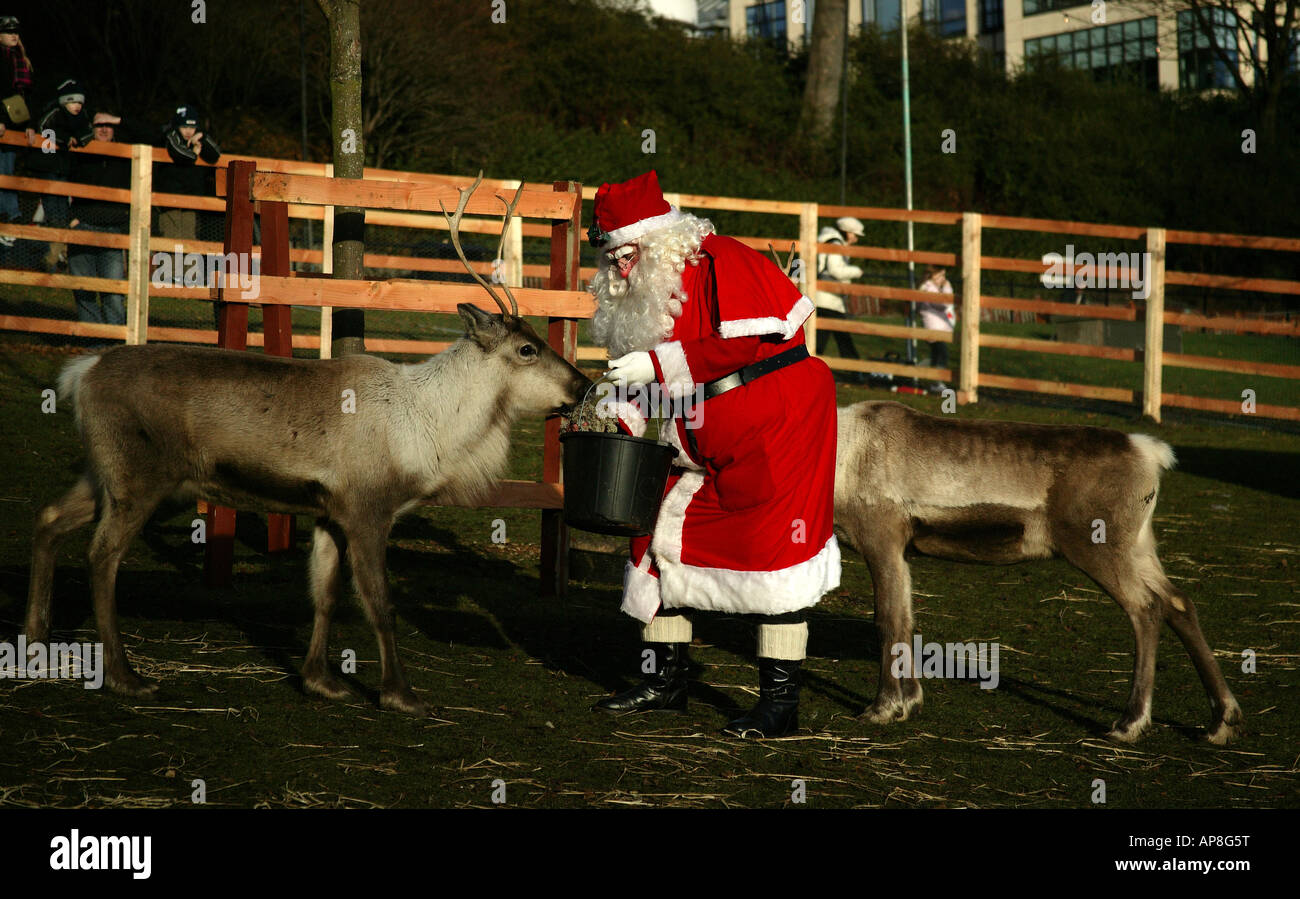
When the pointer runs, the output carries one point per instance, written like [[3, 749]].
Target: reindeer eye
[[527, 351]]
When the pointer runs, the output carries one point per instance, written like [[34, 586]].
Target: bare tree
[[825, 71], [1265, 31], [344, 18], [430, 69]]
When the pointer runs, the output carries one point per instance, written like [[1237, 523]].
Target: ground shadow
[[1266, 470]]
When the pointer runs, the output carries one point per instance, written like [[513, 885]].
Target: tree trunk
[[344, 17], [825, 70]]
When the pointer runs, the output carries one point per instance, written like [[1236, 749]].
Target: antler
[[453, 224], [784, 266]]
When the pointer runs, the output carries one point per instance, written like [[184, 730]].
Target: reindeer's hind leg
[[367, 549], [326, 548], [1120, 576], [73, 510], [1226, 714], [121, 520]]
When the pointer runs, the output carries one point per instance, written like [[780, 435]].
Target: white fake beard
[[638, 313]]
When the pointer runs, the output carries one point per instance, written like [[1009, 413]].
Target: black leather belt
[[754, 372]]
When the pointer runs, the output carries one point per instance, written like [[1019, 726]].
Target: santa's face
[[623, 259], [638, 286]]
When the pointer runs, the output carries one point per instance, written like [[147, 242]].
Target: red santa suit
[[746, 522]]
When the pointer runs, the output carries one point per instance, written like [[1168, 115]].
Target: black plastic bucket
[[614, 483]]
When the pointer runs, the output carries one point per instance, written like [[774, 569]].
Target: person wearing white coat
[[834, 267]]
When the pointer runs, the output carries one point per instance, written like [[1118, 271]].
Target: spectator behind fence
[[834, 267], [185, 144], [937, 316], [62, 127], [103, 216], [15, 83]]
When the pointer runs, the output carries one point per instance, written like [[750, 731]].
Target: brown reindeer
[[355, 441], [999, 492]]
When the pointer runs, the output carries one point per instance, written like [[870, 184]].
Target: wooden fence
[[795, 221]]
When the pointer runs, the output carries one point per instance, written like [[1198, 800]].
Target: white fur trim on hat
[[677, 371], [750, 327], [629, 233], [750, 592]]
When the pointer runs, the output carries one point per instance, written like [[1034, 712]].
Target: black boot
[[665, 688], [777, 712]]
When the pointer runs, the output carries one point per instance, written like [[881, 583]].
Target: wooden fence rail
[[411, 201]]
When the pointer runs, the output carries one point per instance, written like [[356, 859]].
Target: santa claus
[[746, 522]]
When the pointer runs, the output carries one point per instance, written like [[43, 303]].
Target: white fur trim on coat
[[677, 371], [640, 591], [667, 541], [668, 432], [751, 592], [750, 327], [629, 233]]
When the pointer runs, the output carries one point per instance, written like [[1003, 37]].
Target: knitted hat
[[186, 116], [70, 91], [8, 24], [630, 210]]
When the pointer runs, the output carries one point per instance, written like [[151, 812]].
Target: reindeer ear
[[481, 327]]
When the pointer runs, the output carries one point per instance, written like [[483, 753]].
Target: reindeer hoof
[[405, 701], [1127, 733], [886, 713], [327, 686], [1227, 729], [130, 684]]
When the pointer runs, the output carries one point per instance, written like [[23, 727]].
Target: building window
[[1122, 51], [766, 21], [881, 13], [990, 16], [1199, 66], [1034, 7], [947, 16]]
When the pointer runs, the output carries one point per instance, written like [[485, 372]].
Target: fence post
[[968, 376], [513, 249], [137, 254], [1153, 355], [808, 272], [277, 333], [232, 333], [327, 267], [562, 335]]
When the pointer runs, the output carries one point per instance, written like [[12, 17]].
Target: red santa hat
[[630, 210]]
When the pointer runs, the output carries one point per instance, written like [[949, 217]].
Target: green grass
[[513, 674]]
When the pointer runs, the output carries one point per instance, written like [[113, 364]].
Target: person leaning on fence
[[186, 143], [835, 267], [746, 522], [103, 216], [15, 83], [937, 317], [66, 122]]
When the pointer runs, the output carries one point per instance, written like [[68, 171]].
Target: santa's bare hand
[[634, 368]]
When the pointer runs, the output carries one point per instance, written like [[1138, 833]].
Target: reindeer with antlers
[[271, 434]]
